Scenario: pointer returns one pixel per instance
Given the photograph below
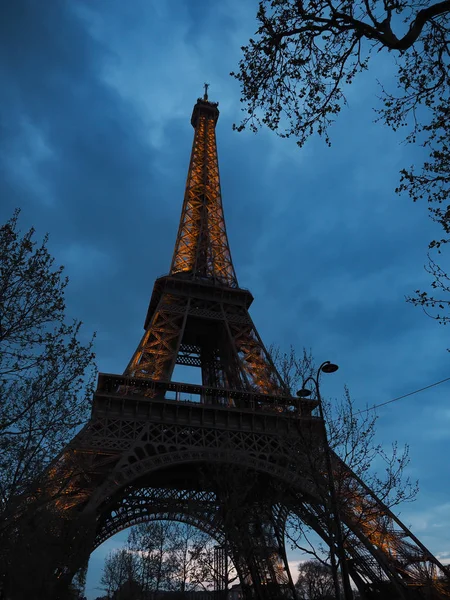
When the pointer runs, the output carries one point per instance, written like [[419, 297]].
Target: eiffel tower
[[233, 455]]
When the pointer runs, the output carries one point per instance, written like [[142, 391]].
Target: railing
[[206, 280], [241, 399]]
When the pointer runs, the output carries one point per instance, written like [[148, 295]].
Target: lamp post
[[329, 367]]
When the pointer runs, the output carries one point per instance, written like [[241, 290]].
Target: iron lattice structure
[[236, 462]]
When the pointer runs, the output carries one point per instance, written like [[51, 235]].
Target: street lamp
[[329, 367]]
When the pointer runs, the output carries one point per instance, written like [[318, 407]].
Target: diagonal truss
[[376, 537], [154, 357], [192, 324], [201, 249]]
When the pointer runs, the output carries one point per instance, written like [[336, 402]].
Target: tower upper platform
[[204, 106]]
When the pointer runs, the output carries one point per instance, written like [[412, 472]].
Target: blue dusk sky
[[94, 148]]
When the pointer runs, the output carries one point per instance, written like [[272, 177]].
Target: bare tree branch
[[305, 53]]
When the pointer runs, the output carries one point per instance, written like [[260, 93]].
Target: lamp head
[[303, 393], [329, 367]]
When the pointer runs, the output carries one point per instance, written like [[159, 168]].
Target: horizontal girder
[[122, 386], [139, 505]]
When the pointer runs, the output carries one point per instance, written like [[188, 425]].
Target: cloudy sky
[[94, 148]]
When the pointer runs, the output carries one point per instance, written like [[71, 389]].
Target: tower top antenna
[[205, 95]]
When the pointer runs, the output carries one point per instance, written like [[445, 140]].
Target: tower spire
[[201, 249]]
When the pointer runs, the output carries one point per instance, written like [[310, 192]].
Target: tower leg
[[259, 557], [43, 553]]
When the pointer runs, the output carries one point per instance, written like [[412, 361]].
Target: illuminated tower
[[198, 315], [240, 454]]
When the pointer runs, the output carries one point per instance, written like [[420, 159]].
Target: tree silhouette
[[305, 53]]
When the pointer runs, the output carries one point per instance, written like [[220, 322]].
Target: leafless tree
[[46, 375], [305, 53], [188, 547], [153, 544], [315, 581], [205, 573], [120, 569], [352, 436], [166, 556], [78, 585], [437, 304], [46, 371]]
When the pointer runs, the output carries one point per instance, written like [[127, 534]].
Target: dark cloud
[[94, 147], [76, 160]]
